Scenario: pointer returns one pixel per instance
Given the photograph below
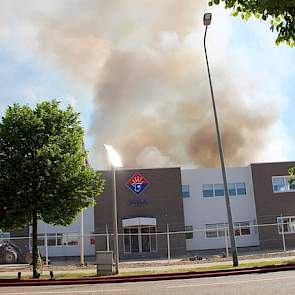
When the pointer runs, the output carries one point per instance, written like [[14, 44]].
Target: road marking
[[68, 292], [230, 283]]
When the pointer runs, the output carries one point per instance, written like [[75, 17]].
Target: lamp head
[[207, 19], [113, 156]]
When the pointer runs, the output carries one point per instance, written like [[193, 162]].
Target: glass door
[[140, 239], [145, 239], [134, 239]]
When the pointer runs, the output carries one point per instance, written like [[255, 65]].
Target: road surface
[[282, 283]]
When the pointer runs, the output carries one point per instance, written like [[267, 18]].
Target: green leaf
[[280, 14], [43, 166]]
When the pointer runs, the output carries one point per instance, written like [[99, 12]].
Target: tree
[[43, 168], [280, 13], [291, 172]]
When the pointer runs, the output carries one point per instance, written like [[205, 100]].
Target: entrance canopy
[[138, 221]]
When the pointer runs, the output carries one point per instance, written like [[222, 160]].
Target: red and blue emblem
[[137, 183]]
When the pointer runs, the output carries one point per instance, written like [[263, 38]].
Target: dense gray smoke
[[152, 99]]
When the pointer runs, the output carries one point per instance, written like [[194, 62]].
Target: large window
[[218, 230], [208, 190], [215, 230], [282, 184], [58, 239], [217, 190], [140, 239], [242, 228], [286, 224], [70, 239], [241, 188], [185, 191]]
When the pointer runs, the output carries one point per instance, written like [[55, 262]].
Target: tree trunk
[[35, 246]]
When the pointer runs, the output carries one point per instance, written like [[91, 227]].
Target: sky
[[135, 71]]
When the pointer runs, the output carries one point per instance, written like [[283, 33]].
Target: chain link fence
[[168, 241]]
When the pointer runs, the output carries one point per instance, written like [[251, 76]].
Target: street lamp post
[[116, 162], [207, 20]]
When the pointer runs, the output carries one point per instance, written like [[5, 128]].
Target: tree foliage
[[280, 14], [43, 169], [291, 172]]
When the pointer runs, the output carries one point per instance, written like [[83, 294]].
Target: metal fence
[[165, 242]]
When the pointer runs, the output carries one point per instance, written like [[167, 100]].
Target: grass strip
[[195, 268]]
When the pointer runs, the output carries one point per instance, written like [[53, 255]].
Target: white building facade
[[205, 209], [66, 240]]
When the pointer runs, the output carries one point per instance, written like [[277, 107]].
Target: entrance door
[[140, 239], [145, 239], [134, 239]]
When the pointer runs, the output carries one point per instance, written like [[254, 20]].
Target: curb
[[141, 278]]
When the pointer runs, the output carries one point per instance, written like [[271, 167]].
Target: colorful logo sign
[[137, 183]]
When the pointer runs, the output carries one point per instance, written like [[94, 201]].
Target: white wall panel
[[199, 211]]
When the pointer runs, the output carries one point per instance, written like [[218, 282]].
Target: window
[[215, 230], [232, 190], [58, 239], [70, 239], [208, 190], [220, 229], [241, 188], [185, 191], [286, 224], [218, 190], [40, 240], [140, 239], [189, 234], [51, 240], [242, 228], [282, 184], [278, 184]]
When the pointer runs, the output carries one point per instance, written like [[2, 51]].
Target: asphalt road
[[271, 283]]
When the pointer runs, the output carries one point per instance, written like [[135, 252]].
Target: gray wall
[[163, 202]]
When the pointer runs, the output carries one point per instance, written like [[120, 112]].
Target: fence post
[[283, 236], [226, 240], [82, 262], [168, 243], [108, 238], [46, 249]]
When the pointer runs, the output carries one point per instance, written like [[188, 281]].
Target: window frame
[[287, 188], [241, 226], [207, 190], [218, 187], [185, 190], [221, 229], [217, 230], [239, 188], [232, 186], [189, 232], [286, 225], [56, 239]]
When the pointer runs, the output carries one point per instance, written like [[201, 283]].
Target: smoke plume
[[152, 101]]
